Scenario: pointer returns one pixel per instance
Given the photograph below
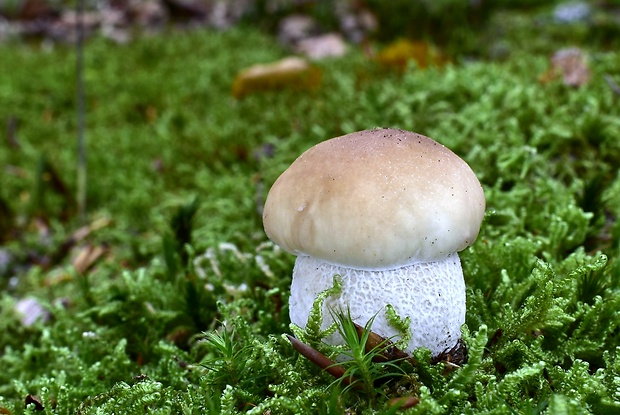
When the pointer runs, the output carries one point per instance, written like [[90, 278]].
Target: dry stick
[[81, 114], [388, 352], [324, 362]]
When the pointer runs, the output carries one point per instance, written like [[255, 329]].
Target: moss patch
[[163, 128]]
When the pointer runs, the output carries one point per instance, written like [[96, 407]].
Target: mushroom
[[387, 210]]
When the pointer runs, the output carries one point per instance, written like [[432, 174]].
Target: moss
[[543, 296]]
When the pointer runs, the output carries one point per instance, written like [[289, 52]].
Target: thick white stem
[[430, 294]]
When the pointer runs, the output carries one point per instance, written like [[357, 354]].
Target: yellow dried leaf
[[289, 73], [398, 54]]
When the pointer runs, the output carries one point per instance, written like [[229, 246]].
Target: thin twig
[[323, 362], [81, 114]]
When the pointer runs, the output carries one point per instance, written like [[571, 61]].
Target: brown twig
[[323, 362], [404, 402], [389, 352]]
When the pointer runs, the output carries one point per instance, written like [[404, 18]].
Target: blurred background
[[461, 28]]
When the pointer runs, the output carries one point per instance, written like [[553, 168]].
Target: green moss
[[542, 278]]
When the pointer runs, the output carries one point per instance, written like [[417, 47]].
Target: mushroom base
[[430, 294]]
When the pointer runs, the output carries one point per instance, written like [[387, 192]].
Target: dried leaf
[[79, 235], [38, 405], [87, 257], [289, 73], [570, 65], [398, 54]]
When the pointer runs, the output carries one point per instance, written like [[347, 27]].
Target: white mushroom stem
[[430, 294]]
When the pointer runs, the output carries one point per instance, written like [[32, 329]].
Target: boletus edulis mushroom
[[388, 210]]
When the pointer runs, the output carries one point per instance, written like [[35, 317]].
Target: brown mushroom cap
[[375, 199]]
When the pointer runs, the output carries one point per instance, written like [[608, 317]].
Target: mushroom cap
[[375, 199]]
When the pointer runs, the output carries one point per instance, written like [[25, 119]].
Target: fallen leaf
[[289, 73], [87, 257], [570, 65], [400, 53], [38, 405], [78, 235]]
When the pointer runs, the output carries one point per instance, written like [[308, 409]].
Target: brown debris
[[398, 55], [453, 358], [290, 73], [87, 257], [570, 65], [76, 237], [404, 402], [38, 405], [323, 362], [389, 352]]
